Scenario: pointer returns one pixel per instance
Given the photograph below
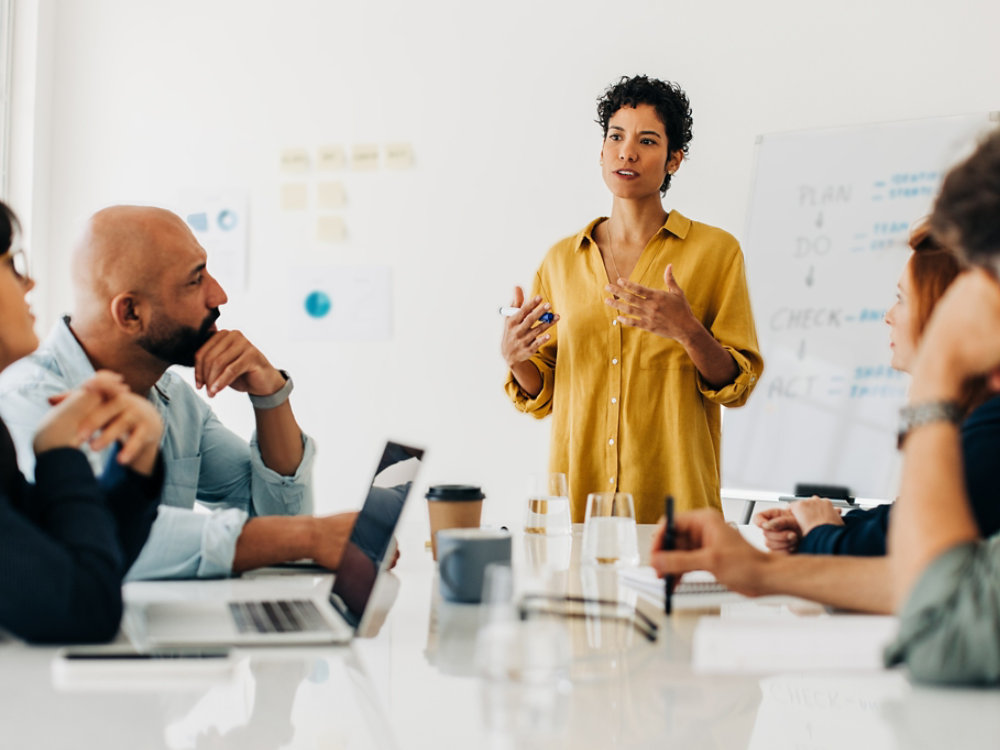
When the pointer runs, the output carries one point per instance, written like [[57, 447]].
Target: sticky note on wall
[[294, 196], [364, 157], [331, 195], [331, 158], [398, 155], [295, 161]]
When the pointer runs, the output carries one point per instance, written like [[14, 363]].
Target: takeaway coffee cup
[[464, 555], [453, 506]]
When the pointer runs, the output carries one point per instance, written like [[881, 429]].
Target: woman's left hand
[[665, 312]]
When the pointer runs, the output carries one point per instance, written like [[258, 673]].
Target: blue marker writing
[[546, 317]]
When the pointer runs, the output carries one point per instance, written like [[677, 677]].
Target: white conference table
[[417, 685]]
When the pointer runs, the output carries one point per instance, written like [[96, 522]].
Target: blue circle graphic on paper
[[318, 304], [227, 220]]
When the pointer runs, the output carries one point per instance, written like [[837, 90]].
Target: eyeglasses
[[18, 262]]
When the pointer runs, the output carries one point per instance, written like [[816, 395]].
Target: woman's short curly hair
[[666, 97]]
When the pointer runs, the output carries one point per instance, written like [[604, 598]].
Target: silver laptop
[[271, 610]]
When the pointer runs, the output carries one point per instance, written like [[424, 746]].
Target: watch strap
[[912, 416], [277, 398]]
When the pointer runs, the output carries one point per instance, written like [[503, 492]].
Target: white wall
[[148, 97]]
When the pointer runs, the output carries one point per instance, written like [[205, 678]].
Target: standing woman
[[655, 329], [67, 540]]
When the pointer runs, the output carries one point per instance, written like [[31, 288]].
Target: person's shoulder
[[40, 370], [711, 236], [580, 237], [987, 414]]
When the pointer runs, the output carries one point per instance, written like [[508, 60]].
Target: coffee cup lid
[[454, 492]]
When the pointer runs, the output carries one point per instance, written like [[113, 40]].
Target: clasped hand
[[229, 359], [665, 312], [99, 412], [784, 527]]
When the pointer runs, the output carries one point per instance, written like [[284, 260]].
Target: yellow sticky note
[[364, 157], [398, 155], [295, 161], [331, 195], [331, 229], [294, 196], [331, 158]]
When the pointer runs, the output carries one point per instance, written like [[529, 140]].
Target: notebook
[[697, 589], [276, 611]]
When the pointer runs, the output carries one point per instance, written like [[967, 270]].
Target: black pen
[[669, 540]]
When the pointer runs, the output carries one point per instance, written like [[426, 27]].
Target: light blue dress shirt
[[203, 461]]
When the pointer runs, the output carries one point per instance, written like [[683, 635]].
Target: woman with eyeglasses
[[67, 540]]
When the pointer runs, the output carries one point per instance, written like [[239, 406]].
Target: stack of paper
[[784, 644]]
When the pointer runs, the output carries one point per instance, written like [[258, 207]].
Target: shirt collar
[[75, 364], [676, 224]]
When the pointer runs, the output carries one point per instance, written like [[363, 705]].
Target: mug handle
[[443, 568]]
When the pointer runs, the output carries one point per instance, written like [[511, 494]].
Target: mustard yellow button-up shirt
[[630, 411]]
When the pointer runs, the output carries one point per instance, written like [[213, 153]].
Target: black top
[[864, 531], [67, 541]]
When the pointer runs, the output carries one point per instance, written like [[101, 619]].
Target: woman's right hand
[[101, 411], [521, 336]]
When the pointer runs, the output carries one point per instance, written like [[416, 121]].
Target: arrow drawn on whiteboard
[[819, 220], [810, 277], [802, 349]]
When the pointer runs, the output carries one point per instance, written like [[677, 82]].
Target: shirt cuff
[[738, 391], [538, 406], [187, 544]]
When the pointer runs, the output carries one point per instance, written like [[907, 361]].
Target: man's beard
[[177, 344]]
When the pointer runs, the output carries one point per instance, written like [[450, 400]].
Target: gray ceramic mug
[[463, 555]]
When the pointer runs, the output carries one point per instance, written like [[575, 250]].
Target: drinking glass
[[548, 505], [609, 532]]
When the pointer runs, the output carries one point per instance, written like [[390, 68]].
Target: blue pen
[[669, 542], [546, 317]]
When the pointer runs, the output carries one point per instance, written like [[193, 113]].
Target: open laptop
[[273, 610]]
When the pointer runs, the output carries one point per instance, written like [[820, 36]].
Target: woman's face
[[17, 324], [902, 338], [635, 156]]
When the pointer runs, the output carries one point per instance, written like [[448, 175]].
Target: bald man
[[144, 300]]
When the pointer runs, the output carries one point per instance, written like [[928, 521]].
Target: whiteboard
[[830, 213]]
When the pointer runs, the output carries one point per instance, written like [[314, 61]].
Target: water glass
[[609, 531], [548, 505]]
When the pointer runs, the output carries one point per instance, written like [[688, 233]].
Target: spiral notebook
[[696, 590]]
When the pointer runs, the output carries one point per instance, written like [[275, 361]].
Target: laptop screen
[[373, 530]]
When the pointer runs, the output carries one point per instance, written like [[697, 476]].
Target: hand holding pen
[[525, 328]]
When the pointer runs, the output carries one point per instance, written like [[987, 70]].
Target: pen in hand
[[667, 545], [546, 317]]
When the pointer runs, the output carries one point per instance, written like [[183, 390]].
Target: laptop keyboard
[[281, 616]]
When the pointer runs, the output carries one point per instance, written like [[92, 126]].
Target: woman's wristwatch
[[912, 416]]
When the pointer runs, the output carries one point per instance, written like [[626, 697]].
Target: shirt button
[[614, 400], [614, 361], [611, 441], [614, 322], [611, 480]]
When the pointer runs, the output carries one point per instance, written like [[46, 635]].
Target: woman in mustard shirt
[[654, 331]]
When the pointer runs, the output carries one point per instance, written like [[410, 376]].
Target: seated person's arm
[[706, 542], [946, 582]]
